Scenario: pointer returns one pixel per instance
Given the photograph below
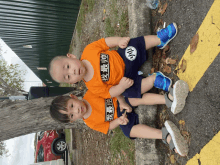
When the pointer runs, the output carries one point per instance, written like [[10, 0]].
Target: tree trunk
[[24, 117]]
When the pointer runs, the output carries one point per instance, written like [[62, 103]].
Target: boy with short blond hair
[[112, 73]]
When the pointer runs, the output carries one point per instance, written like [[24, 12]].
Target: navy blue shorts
[[132, 117], [134, 56]]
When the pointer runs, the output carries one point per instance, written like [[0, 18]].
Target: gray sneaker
[[180, 92], [177, 140]]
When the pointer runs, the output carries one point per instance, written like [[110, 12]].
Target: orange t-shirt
[[103, 111], [114, 68]]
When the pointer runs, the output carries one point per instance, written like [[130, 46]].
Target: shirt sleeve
[[100, 127], [99, 45]]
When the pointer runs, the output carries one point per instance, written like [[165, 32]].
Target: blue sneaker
[[162, 81], [167, 34]]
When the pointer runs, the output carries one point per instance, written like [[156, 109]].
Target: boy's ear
[[73, 96], [70, 55]]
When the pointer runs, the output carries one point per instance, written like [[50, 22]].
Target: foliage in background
[[3, 150], [11, 78]]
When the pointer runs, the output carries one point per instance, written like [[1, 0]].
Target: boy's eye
[[71, 105], [68, 66], [71, 116]]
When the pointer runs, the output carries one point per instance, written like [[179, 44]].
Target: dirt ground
[[93, 147], [95, 22]]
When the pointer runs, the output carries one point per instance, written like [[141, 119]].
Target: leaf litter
[[159, 25], [193, 43], [161, 62], [163, 8]]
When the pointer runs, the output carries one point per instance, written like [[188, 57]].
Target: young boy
[[105, 114], [112, 73]]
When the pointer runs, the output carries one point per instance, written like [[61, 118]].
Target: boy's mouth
[[81, 71]]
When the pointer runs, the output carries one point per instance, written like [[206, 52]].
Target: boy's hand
[[126, 107], [126, 82], [123, 120], [123, 43]]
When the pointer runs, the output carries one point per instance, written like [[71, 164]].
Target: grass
[[67, 135], [90, 4], [85, 7], [124, 24], [109, 30], [116, 25], [68, 140], [80, 19], [122, 148], [111, 23]]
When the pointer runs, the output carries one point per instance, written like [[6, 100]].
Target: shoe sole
[[178, 140], [172, 37], [168, 78], [180, 92]]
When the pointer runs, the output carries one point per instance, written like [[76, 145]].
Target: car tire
[[59, 146]]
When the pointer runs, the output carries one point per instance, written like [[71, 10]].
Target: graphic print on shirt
[[131, 53], [109, 110], [104, 67]]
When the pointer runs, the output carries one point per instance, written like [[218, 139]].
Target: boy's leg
[[151, 41], [158, 80], [175, 99], [163, 37], [147, 83], [144, 131], [170, 134], [148, 99]]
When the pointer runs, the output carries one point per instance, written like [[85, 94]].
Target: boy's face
[[68, 70], [76, 109]]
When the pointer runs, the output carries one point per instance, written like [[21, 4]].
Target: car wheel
[[60, 146]]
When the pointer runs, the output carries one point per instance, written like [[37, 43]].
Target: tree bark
[[24, 117]]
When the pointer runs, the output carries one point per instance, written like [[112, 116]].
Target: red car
[[51, 145]]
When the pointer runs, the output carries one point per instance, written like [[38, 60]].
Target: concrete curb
[[139, 25]]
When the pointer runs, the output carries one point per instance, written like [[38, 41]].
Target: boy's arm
[[112, 42], [122, 120], [120, 88]]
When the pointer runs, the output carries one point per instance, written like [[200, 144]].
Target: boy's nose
[[77, 110], [71, 72]]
